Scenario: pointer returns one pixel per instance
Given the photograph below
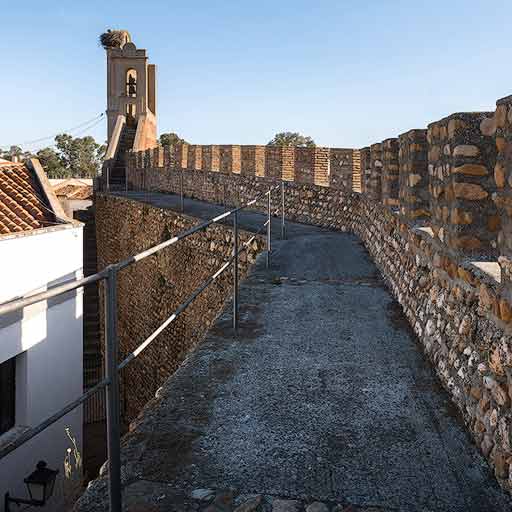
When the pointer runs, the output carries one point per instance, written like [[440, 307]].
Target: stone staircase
[[93, 365], [118, 170]]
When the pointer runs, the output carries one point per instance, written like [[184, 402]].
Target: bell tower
[[131, 91]]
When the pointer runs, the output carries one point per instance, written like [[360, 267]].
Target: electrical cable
[[76, 127]]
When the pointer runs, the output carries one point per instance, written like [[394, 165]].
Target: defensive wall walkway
[[323, 399]]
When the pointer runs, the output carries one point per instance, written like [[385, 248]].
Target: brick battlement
[[334, 167], [433, 207], [452, 176]]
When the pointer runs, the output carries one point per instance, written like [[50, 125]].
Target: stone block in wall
[[194, 161], [229, 159], [279, 162], [340, 168], [191, 160], [390, 174], [206, 158], [461, 160], [501, 127], [374, 189], [287, 163], [178, 156], [225, 159], [157, 161], [211, 158], [321, 166], [236, 159], [215, 158], [366, 169], [184, 156], [356, 171], [167, 156], [252, 160], [413, 176], [175, 156], [304, 165], [310, 165]]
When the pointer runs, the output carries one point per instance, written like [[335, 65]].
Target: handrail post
[[112, 391], [126, 180], [182, 204], [235, 271], [108, 177], [269, 248], [283, 227]]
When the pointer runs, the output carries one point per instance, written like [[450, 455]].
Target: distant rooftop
[[73, 189], [23, 203]]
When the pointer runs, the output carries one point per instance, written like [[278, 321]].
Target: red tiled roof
[[22, 203]]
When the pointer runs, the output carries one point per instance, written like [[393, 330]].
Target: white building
[[41, 346]]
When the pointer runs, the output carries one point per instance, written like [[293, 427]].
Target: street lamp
[[40, 484]]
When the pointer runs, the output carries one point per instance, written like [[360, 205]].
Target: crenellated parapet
[[390, 172], [366, 169], [501, 127], [414, 197], [195, 158], [374, 183], [461, 159], [343, 164], [252, 160]]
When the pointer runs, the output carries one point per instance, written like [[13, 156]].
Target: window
[[7, 394]]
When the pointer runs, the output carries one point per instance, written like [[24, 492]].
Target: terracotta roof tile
[[22, 203]]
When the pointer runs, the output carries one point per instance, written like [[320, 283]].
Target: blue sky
[[347, 73]]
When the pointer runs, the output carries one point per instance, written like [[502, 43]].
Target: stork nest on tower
[[114, 38]]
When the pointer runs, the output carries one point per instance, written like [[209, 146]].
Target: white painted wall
[[47, 340]]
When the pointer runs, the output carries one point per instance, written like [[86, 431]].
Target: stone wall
[[501, 127], [456, 307], [438, 251], [390, 172], [460, 319], [343, 164], [414, 196], [308, 203], [151, 289], [365, 164], [335, 167], [461, 159], [374, 183]]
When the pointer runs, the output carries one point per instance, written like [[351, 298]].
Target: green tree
[[291, 139], [52, 163], [79, 157], [7, 154], [82, 156], [170, 139]]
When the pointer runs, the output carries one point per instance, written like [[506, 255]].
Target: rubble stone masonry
[[438, 253], [366, 169], [414, 196], [457, 307], [390, 172], [151, 289], [374, 183], [343, 164], [501, 127], [461, 160]]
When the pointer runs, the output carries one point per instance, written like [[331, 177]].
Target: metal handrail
[[111, 381], [10, 307]]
